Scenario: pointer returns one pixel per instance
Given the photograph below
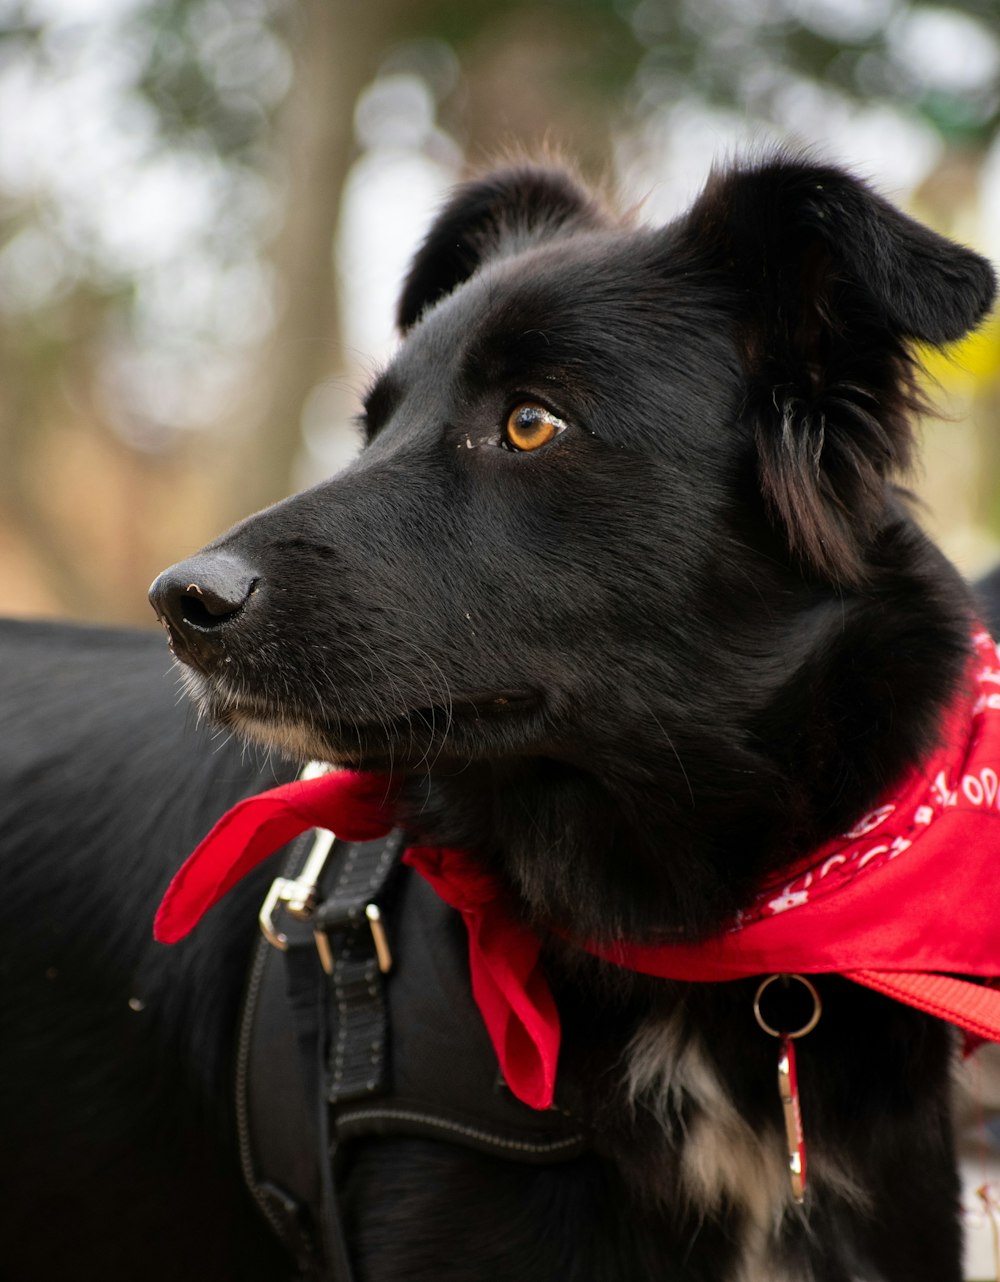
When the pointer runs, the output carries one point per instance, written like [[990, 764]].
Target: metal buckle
[[297, 894], [379, 938], [373, 916], [298, 897]]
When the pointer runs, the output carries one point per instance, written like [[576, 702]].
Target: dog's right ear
[[832, 286], [495, 216]]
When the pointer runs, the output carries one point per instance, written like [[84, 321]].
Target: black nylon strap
[[343, 1040], [335, 1253], [274, 1109], [340, 1030], [357, 1064], [307, 988]]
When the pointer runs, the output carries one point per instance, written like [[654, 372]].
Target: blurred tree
[[335, 47]]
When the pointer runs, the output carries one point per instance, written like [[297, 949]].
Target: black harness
[[342, 1038]]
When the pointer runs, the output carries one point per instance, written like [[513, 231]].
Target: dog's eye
[[530, 426]]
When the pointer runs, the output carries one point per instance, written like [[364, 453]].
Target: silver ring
[[808, 1026]]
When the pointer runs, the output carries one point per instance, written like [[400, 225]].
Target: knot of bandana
[[902, 904]]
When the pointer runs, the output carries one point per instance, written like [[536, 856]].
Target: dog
[[622, 593]]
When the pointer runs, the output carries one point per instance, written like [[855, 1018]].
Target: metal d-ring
[[296, 894], [808, 1026]]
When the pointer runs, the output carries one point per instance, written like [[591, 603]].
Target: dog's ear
[[495, 216], [833, 285]]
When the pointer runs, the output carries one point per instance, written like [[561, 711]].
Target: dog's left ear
[[833, 284], [488, 219]]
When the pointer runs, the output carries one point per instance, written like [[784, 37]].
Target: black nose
[[197, 598]]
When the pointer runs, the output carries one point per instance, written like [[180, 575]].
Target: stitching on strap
[[470, 1132]]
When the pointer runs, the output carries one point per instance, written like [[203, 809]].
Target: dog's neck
[[674, 846]]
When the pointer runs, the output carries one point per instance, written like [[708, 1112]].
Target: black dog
[[621, 592]]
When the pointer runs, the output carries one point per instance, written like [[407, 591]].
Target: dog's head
[[621, 565]]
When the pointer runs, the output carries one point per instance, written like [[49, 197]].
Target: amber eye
[[530, 426]]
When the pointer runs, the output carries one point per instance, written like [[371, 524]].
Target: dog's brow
[[512, 357], [380, 401]]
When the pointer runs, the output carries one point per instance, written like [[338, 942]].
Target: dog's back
[[116, 1059]]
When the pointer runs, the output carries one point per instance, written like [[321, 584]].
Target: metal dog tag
[[788, 1080], [788, 1088]]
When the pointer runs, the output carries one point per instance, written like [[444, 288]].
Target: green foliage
[[212, 70]]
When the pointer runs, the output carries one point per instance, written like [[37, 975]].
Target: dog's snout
[[197, 598]]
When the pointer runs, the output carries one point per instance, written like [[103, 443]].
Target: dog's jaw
[[479, 725], [233, 710]]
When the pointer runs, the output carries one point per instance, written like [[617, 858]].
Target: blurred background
[[206, 207]]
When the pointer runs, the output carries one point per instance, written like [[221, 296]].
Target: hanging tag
[[788, 1088], [788, 1081]]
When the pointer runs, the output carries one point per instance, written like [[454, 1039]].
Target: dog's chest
[[715, 1162]]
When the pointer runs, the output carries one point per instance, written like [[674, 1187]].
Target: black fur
[[634, 672]]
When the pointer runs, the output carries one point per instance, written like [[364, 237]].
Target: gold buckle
[[383, 955], [379, 938]]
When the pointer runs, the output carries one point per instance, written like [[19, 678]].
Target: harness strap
[[278, 1140], [973, 1007], [336, 1259], [334, 1015], [354, 957]]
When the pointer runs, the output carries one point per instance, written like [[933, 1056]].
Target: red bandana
[[902, 903]]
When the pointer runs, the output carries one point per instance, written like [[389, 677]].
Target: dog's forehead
[[558, 304]]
